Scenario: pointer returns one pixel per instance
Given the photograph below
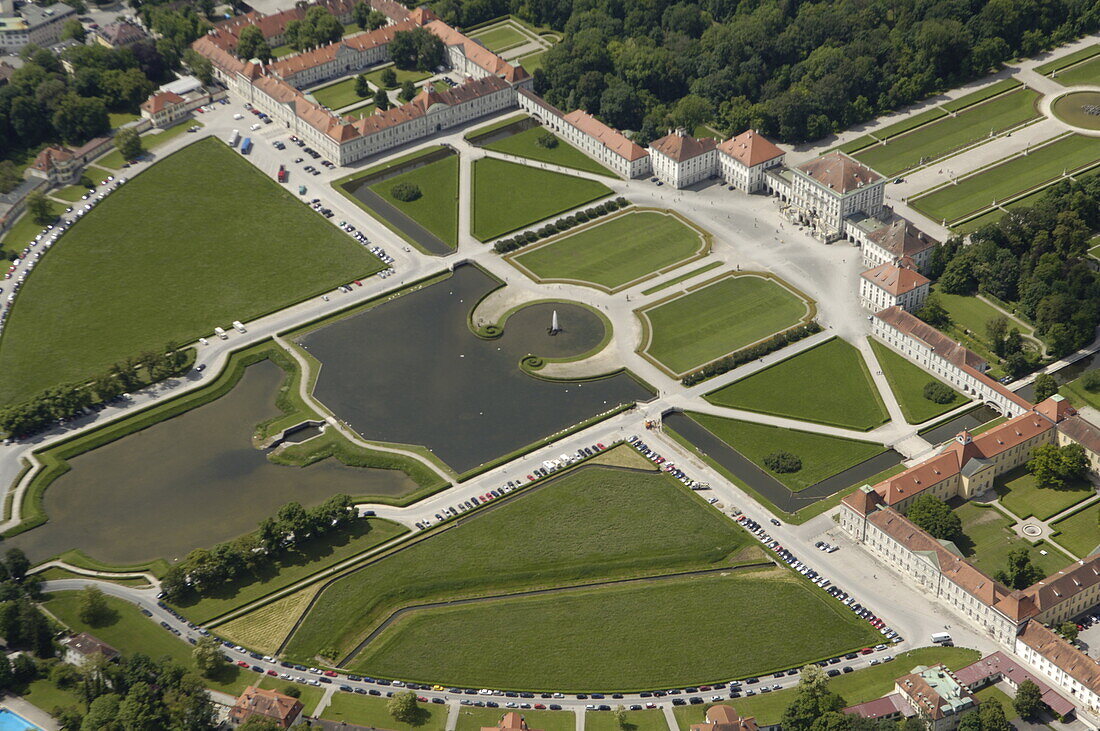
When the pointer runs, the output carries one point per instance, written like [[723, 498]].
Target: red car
[[242, 663], [272, 672], [540, 707], [422, 699], [330, 673], [866, 651]]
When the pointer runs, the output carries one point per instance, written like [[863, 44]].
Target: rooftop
[[681, 146], [270, 704], [750, 148], [935, 691], [838, 172], [87, 645], [895, 280]]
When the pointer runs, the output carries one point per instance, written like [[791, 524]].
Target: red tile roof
[[160, 100], [477, 53], [1050, 645], [894, 279], [610, 138], [839, 172], [290, 65], [881, 707], [1065, 584], [282, 709], [723, 717], [901, 238], [750, 148], [682, 147], [999, 665]]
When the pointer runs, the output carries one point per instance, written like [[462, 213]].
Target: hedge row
[[562, 224], [753, 352]]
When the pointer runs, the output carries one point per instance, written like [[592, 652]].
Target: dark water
[[1063, 375], [410, 371], [521, 125], [759, 480], [968, 420], [188, 482], [301, 434]]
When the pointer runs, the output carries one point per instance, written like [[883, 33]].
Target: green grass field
[[794, 388], [857, 144], [1078, 533], [149, 141], [822, 456], [118, 119], [917, 120], [368, 711], [532, 62], [525, 144], [175, 275], [22, 233], [720, 318], [907, 381], [616, 252], [1009, 178], [437, 207], [1068, 59], [1020, 494], [338, 95], [585, 526], [970, 313], [601, 638], [129, 631], [1081, 74], [1078, 395], [315, 556], [474, 719], [950, 133], [508, 196], [856, 687], [635, 721], [500, 37], [981, 95], [375, 77], [989, 538]]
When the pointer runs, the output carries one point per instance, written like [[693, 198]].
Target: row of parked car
[[810, 573], [667, 466], [18, 271]]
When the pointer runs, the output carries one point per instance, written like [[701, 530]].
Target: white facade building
[[682, 160], [33, 24], [894, 284], [743, 160], [825, 191]]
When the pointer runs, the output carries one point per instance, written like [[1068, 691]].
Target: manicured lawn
[[857, 144], [828, 384], [525, 144], [280, 51], [23, 232], [1020, 494], [130, 631], [314, 557], [509, 196], [149, 141], [1079, 533], [532, 62], [473, 719], [907, 381], [500, 37], [981, 95], [584, 526], [47, 696], [365, 110], [991, 216], [118, 119], [635, 721], [1070, 58], [601, 638], [856, 687], [437, 207], [1078, 395], [909, 123], [989, 538], [365, 710], [1009, 178], [718, 319], [822, 456], [375, 77], [1085, 73], [71, 193], [55, 572], [950, 133], [993, 693], [232, 246], [971, 313], [338, 95], [617, 251]]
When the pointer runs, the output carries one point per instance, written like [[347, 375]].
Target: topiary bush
[[938, 393], [406, 192], [782, 462], [546, 139]]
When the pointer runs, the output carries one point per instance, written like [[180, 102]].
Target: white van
[[221, 333], [240, 328], [940, 637]]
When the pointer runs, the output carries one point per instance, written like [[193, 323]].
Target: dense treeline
[[204, 571], [71, 399], [1035, 258], [795, 70]]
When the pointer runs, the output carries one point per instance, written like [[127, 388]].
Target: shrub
[[938, 392], [546, 139], [782, 462], [1091, 380], [621, 201], [582, 216], [531, 237], [406, 192]]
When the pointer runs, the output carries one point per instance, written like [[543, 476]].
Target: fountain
[[555, 328]]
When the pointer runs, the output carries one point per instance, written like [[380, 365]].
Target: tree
[[252, 44], [141, 709], [408, 91], [258, 723], [79, 119], [376, 19], [1068, 630], [103, 714], [208, 656], [1053, 466], [388, 77], [381, 99], [546, 139], [993, 716], [38, 208], [996, 329], [200, 66], [620, 716], [939, 393], [93, 607], [691, 112], [932, 514], [406, 192], [812, 700], [782, 462], [1045, 387], [1028, 701], [934, 313], [73, 29], [971, 721], [403, 706], [1020, 572], [128, 142], [362, 88], [416, 49]]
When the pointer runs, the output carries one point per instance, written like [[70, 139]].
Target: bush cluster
[[782, 462], [546, 139], [556, 227], [939, 393], [406, 192], [733, 360], [1091, 380]]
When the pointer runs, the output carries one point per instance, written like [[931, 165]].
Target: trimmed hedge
[[559, 226], [733, 360]]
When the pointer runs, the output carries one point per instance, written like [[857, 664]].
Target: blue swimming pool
[[10, 721]]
